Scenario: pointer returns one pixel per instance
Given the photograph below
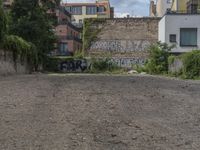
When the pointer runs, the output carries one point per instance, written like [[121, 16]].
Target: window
[[188, 37], [76, 10], [101, 9], [91, 10], [68, 8], [172, 38], [63, 48]]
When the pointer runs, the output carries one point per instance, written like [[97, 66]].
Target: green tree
[[158, 59], [30, 20], [191, 64], [3, 22]]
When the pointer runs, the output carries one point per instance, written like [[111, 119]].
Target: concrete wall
[[176, 66], [125, 38], [171, 24], [7, 65]]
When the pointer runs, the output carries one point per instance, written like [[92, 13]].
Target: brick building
[[68, 35]]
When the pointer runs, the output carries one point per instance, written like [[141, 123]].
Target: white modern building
[[181, 30]]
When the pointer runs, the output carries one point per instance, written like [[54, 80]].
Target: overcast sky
[[124, 7]]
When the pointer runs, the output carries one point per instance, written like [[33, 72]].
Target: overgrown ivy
[[21, 49], [91, 30]]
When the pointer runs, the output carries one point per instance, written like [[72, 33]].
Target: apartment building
[[80, 11], [68, 35]]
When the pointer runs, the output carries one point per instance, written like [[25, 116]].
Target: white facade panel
[[171, 25]]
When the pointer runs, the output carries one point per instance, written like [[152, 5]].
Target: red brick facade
[[69, 36]]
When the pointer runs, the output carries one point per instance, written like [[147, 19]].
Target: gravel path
[[90, 112]]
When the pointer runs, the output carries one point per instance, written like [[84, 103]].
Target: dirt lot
[[43, 112]]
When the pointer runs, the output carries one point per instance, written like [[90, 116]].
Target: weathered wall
[[176, 66], [7, 65], [124, 38], [79, 65]]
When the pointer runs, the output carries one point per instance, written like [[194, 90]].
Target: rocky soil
[[98, 112]]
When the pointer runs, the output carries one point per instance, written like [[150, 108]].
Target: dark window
[[63, 48], [172, 38], [101, 9], [91, 10], [76, 10], [188, 37], [68, 8]]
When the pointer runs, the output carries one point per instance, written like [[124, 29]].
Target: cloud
[[124, 7]]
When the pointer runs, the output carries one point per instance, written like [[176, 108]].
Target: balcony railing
[[193, 11], [69, 38]]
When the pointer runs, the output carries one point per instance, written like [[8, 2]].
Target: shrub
[[103, 65], [139, 68], [158, 61], [191, 64], [79, 54], [17, 45], [3, 22], [171, 59], [21, 49], [52, 63]]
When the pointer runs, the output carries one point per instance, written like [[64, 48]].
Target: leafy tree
[[30, 20], [3, 22], [191, 64], [158, 59]]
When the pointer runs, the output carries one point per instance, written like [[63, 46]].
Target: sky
[[125, 7]]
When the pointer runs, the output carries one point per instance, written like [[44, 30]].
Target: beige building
[[152, 9], [162, 6], [179, 6], [80, 11]]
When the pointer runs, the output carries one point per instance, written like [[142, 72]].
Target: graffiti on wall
[[83, 64], [128, 62], [74, 65], [120, 45]]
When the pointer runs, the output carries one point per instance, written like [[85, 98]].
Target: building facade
[[80, 11], [152, 9], [193, 6], [162, 6], [179, 6], [68, 35], [181, 30]]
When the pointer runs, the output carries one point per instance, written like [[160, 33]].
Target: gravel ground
[[90, 112]]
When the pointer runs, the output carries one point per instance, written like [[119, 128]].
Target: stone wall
[[7, 65], [124, 39]]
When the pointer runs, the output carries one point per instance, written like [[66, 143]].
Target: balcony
[[70, 38]]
